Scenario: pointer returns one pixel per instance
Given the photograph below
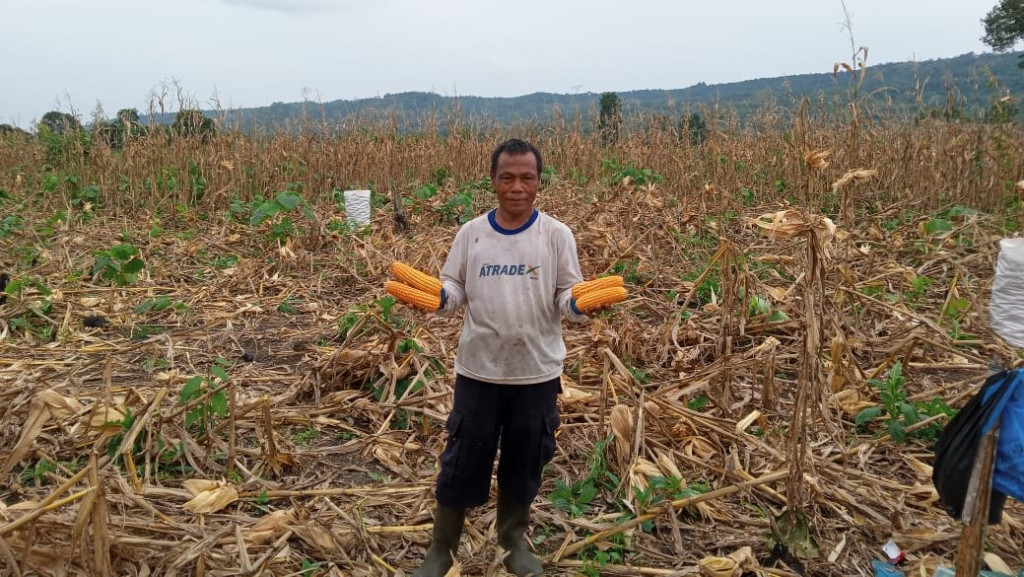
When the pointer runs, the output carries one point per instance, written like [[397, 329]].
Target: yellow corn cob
[[416, 279], [413, 296], [580, 289], [600, 297]]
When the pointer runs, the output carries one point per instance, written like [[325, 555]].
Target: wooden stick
[[976, 505]]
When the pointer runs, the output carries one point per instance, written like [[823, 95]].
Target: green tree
[[125, 125], [1004, 111], [60, 122], [694, 129], [9, 129], [192, 122], [63, 138], [610, 121], [1004, 26]]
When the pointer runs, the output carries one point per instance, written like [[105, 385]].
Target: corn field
[[201, 372]]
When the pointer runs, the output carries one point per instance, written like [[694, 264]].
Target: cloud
[[291, 6]]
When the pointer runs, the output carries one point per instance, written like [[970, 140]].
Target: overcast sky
[[72, 54]]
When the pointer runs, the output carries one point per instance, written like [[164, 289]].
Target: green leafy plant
[[159, 304], [203, 416], [197, 182], [37, 475], [629, 270], [615, 550], [309, 568], [10, 225], [150, 365], [709, 289], [420, 195], [641, 376], [305, 437], [119, 264], [141, 332], [461, 207], [347, 322], [283, 203], [698, 403], [289, 305], [899, 413], [760, 306], [169, 457], [223, 262], [937, 225], [339, 227], [926, 409], [918, 288], [617, 173], [576, 498], [36, 324], [261, 503], [954, 311]]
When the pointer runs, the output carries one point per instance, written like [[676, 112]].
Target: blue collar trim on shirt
[[492, 217]]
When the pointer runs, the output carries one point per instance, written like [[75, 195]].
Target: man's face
[[516, 181]]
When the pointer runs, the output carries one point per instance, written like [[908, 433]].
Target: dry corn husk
[[317, 537], [925, 494], [791, 223], [737, 563], [107, 418], [270, 526], [668, 465], [995, 563], [698, 448], [646, 468], [857, 175], [574, 396], [850, 401], [622, 427], [210, 496], [816, 159], [59, 405]]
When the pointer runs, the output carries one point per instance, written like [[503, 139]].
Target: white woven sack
[[357, 207], [1007, 304]]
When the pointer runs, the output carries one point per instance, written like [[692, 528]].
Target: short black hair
[[515, 147]]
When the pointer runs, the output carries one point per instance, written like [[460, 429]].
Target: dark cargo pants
[[522, 418]]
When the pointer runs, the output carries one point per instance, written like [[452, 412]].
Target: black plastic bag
[[960, 441]]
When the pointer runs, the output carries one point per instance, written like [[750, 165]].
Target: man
[[513, 269]]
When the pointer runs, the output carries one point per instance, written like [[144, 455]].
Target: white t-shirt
[[516, 285]]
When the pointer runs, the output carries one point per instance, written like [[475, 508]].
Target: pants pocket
[[450, 456], [547, 438]]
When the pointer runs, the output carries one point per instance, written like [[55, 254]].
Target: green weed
[[119, 264]]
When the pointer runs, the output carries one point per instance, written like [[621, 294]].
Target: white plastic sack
[[1007, 304], [357, 207]]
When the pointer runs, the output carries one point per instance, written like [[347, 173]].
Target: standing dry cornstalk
[[841, 187], [807, 378], [721, 388], [818, 232]]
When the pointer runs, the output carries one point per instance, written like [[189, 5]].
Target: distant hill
[[969, 83]]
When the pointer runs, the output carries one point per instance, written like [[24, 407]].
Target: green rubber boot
[[513, 519], [445, 543]]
